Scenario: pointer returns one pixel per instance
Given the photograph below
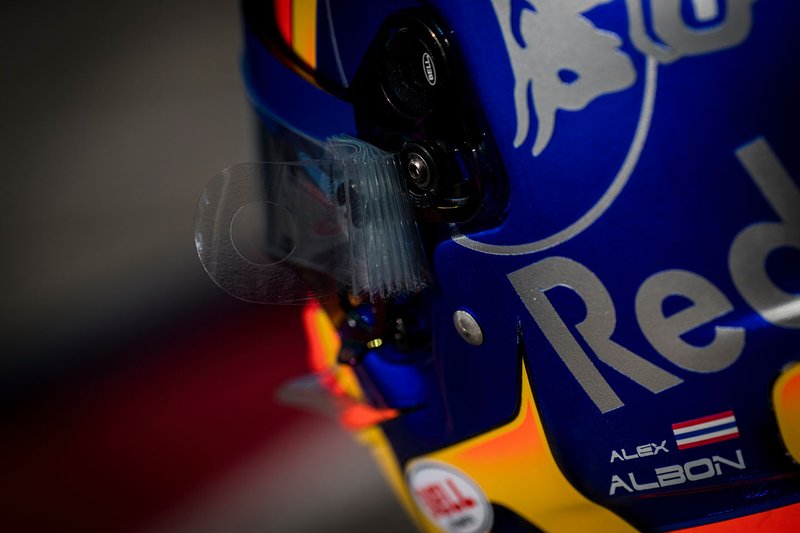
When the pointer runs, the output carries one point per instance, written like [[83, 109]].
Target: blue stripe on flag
[[706, 431]]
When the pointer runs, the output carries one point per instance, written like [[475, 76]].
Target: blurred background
[[136, 395]]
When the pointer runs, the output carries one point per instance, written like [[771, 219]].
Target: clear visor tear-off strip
[[291, 231]]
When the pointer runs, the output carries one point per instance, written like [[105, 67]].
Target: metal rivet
[[468, 327], [418, 170]]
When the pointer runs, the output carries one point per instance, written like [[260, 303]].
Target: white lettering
[[627, 456], [643, 486], [667, 476], [670, 475], [749, 251], [747, 265], [665, 333], [616, 483], [701, 464], [644, 450], [739, 464], [532, 284]]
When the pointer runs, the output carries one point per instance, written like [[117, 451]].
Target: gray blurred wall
[[114, 116]]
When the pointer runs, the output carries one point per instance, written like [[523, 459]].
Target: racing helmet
[[549, 250]]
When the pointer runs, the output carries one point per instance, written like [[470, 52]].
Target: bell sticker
[[448, 498]]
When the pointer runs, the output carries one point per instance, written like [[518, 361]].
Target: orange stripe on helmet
[[786, 399], [304, 30]]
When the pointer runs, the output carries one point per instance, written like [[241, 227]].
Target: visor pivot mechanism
[[418, 170]]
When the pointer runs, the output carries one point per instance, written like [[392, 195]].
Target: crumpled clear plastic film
[[287, 232]]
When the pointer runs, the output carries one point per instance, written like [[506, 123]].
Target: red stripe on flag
[[702, 419], [709, 441], [283, 18]]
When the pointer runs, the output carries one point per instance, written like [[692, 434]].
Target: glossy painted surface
[[645, 270]]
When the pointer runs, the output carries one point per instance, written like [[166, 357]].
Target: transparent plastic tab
[[269, 232], [288, 232]]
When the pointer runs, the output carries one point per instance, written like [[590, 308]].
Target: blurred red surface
[[120, 446]]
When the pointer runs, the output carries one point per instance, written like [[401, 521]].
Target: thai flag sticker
[[705, 430]]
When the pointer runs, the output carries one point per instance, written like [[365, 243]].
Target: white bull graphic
[[562, 61]]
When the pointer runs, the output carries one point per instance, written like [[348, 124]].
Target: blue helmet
[[558, 242]]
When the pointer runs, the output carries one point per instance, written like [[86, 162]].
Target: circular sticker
[[449, 498]]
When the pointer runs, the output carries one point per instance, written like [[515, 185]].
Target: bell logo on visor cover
[[429, 68], [288, 232], [592, 66]]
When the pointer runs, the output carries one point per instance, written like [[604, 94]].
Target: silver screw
[[468, 327], [418, 170]]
